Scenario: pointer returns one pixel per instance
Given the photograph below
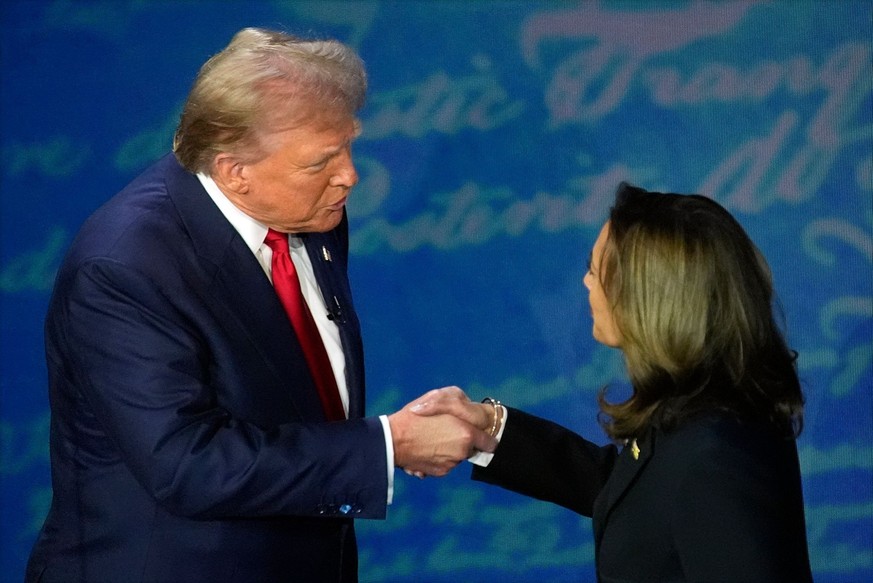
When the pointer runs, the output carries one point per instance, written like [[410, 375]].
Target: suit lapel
[[624, 474], [241, 290], [327, 255], [241, 285]]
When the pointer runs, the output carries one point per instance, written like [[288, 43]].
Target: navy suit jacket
[[188, 442], [713, 500]]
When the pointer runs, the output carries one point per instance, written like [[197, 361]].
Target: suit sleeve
[[140, 372], [543, 460]]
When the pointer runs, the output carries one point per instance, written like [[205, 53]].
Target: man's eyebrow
[[346, 143], [329, 153]]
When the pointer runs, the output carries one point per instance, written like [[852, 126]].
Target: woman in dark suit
[[702, 482]]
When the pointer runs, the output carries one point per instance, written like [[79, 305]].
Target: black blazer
[[188, 442], [713, 500]]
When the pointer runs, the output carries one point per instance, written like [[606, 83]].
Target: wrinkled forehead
[[307, 121]]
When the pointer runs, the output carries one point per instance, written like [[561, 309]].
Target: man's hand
[[433, 444], [453, 401]]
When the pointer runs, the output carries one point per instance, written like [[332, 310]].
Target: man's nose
[[346, 175]]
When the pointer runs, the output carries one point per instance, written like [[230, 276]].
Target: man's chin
[[328, 222]]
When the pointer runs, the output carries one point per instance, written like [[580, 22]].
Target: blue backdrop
[[494, 136]]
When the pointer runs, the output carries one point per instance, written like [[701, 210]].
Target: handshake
[[440, 429]]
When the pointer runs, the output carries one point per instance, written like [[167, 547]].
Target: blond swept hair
[[261, 82], [692, 297]]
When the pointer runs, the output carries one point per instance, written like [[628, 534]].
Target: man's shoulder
[[133, 221]]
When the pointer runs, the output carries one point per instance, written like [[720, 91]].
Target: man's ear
[[230, 173]]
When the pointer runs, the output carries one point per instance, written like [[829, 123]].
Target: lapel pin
[[325, 253], [635, 449]]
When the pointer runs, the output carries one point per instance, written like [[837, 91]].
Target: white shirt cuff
[[389, 455], [482, 458]]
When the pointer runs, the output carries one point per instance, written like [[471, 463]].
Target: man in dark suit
[[198, 432]]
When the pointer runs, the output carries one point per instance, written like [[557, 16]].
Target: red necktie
[[287, 286]]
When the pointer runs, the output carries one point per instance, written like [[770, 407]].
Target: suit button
[[326, 508]]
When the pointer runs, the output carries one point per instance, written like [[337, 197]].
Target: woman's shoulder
[[724, 433], [722, 453]]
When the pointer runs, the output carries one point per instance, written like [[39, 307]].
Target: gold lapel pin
[[635, 449]]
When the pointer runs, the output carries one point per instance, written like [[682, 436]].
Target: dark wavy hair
[[693, 299]]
